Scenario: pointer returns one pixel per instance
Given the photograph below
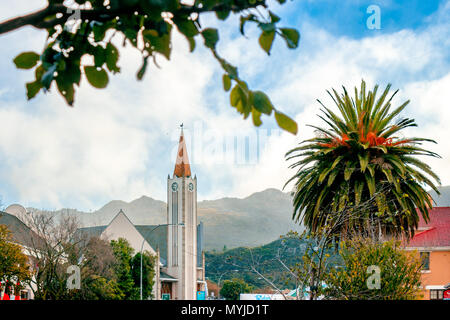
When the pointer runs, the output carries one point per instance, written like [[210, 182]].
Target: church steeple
[[182, 166], [182, 245]]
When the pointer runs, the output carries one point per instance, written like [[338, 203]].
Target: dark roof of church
[[92, 231], [156, 238], [166, 276], [20, 232]]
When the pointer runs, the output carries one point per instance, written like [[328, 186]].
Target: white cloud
[[402, 58], [432, 113]]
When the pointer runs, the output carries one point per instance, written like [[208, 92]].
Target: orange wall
[[440, 271]]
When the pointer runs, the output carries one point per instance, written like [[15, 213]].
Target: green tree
[[14, 266], [124, 254], [100, 288], [98, 278], [127, 270], [146, 25], [231, 289], [148, 273], [360, 155], [399, 279]]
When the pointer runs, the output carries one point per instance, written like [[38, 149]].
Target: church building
[[178, 244]]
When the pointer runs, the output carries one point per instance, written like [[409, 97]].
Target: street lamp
[[218, 285], [142, 245]]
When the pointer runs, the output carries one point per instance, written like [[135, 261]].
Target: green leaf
[[231, 70], [273, 17], [191, 44], [161, 43], [226, 82], [359, 186], [112, 57], [142, 70], [66, 89], [256, 117], [291, 36], [239, 98], [323, 175], [186, 27], [211, 37], [61, 65], [131, 35], [99, 30], [370, 183], [130, 3], [97, 78], [348, 171], [332, 177], [266, 40], [39, 72], [262, 103], [223, 14], [371, 170], [26, 60], [99, 56], [363, 161], [163, 4], [33, 88], [286, 123], [72, 72], [234, 96]]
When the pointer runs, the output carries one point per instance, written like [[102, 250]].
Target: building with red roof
[[432, 241]]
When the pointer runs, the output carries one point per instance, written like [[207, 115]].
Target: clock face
[[174, 187], [191, 186]]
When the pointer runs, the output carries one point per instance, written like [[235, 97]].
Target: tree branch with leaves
[[87, 28]]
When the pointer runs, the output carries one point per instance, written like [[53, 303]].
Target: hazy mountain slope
[[143, 210], [255, 220], [238, 262], [258, 219], [252, 221], [442, 200]]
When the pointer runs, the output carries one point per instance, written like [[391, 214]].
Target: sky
[[120, 143]]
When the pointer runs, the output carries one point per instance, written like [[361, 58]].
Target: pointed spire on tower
[[182, 167]]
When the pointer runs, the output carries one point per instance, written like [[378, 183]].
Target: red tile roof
[[435, 233]]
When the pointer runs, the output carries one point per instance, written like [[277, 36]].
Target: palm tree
[[358, 158]]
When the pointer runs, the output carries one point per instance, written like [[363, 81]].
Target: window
[[436, 294], [425, 258], [24, 295]]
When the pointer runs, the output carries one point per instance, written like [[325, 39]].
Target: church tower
[[182, 230]]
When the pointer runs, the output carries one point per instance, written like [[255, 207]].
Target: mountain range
[[228, 222]]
